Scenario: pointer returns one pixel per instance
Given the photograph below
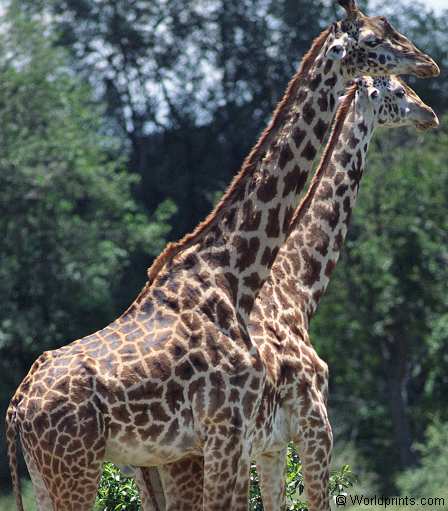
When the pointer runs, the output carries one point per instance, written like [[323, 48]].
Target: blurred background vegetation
[[121, 122]]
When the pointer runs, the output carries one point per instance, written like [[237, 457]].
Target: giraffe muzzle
[[427, 68], [427, 119]]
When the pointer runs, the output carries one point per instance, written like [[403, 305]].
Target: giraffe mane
[[338, 124], [258, 151]]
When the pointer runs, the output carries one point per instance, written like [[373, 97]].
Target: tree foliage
[[430, 478], [68, 219], [122, 122]]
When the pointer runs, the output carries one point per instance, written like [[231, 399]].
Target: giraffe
[[178, 374], [295, 393], [360, 45], [302, 272]]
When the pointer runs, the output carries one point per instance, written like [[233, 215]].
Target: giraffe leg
[[59, 487], [70, 470], [226, 473], [41, 494], [271, 468], [150, 488], [314, 447], [75, 491], [183, 482], [182, 486]]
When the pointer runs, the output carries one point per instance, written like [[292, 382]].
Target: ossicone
[[350, 6]]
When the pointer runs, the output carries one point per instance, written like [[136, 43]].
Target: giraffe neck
[[319, 227], [236, 246]]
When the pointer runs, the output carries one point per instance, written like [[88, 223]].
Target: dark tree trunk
[[396, 364], [400, 422]]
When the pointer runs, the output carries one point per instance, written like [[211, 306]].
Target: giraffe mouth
[[423, 117], [427, 69], [425, 126]]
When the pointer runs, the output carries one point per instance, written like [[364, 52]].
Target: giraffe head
[[370, 45], [393, 103]]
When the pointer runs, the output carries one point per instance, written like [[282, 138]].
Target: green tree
[[188, 85], [429, 479], [186, 88], [68, 221]]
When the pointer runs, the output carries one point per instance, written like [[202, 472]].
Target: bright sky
[[437, 5]]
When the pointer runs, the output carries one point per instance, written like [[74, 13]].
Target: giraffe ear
[[350, 6], [337, 48], [336, 51]]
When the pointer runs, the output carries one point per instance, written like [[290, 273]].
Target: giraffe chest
[[153, 441], [275, 419], [299, 385]]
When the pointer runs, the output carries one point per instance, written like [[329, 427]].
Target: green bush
[[118, 493], [346, 453], [430, 478]]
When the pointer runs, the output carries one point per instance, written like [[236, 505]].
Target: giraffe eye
[[400, 93], [372, 42]]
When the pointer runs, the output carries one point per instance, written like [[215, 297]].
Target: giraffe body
[[307, 260], [142, 380], [354, 46], [293, 407], [178, 375]]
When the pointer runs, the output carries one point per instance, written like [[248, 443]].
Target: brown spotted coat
[[295, 392]]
